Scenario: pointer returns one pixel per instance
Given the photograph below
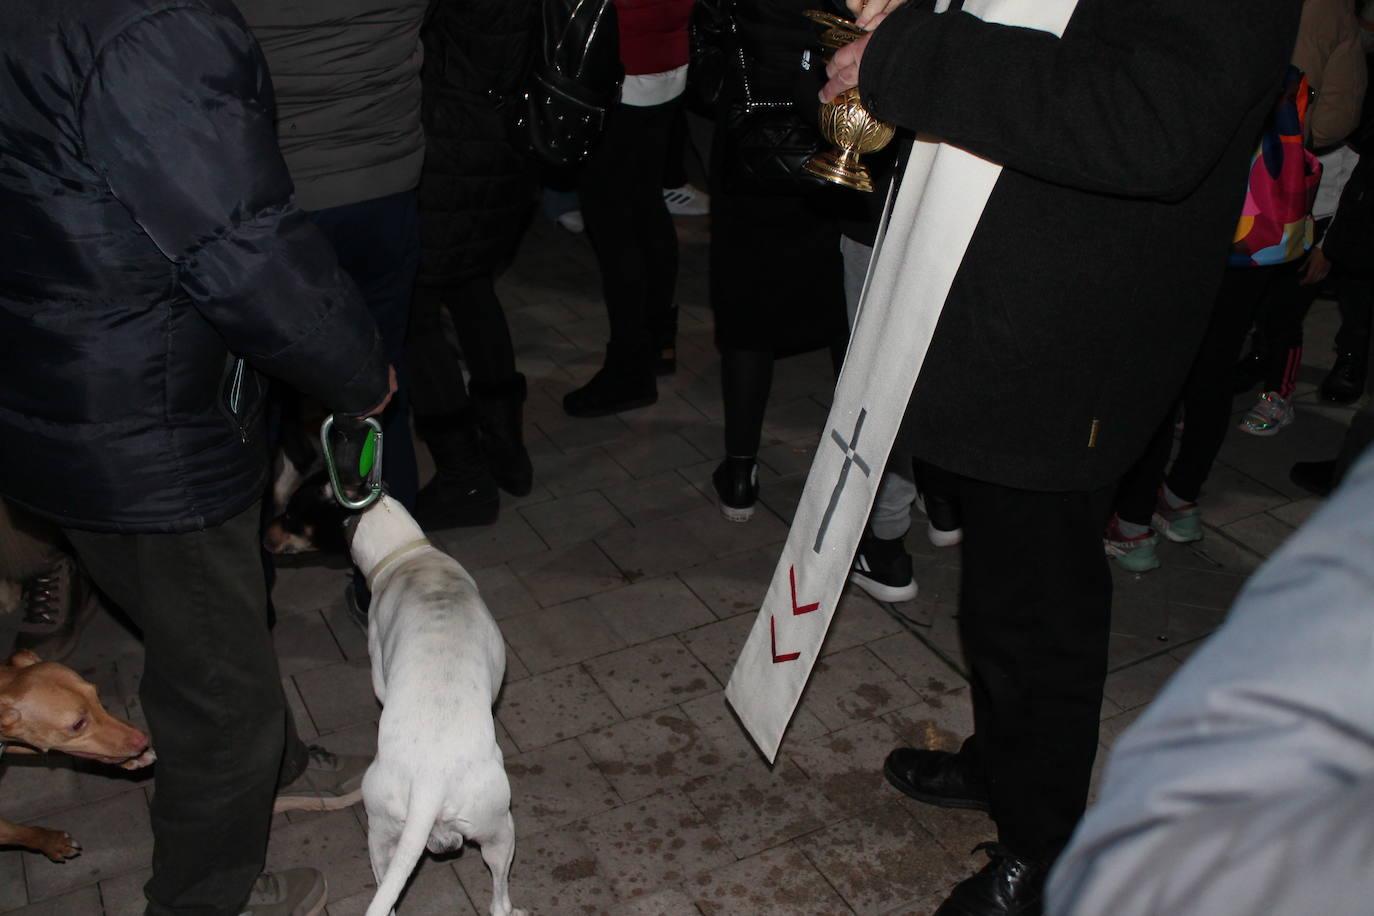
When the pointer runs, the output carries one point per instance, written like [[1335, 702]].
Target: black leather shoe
[[1345, 382], [936, 778], [1007, 886]]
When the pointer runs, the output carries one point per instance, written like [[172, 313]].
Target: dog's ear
[[9, 718], [23, 659]]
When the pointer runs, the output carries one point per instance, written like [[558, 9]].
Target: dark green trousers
[[212, 694]]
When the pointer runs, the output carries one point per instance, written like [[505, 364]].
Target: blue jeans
[[378, 244]]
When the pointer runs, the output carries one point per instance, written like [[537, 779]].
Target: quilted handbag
[[765, 146], [764, 142]]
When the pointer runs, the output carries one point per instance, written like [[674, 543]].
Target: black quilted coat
[[477, 187], [147, 241]]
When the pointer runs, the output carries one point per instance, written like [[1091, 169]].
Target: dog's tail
[[422, 812]]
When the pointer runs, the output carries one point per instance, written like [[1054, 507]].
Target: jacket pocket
[[243, 393]]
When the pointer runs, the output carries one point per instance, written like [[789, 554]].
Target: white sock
[[1131, 529], [1173, 500]]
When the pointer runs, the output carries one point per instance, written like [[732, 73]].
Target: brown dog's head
[[52, 708]]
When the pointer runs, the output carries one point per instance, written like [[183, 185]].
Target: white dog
[[437, 663]]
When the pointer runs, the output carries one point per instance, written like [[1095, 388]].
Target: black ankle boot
[[1345, 382], [500, 410], [462, 492], [625, 382], [737, 485]]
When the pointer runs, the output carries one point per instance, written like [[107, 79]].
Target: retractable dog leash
[[354, 445]]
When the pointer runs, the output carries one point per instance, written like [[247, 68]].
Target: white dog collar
[[395, 555]]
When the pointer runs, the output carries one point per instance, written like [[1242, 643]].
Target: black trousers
[[212, 694], [437, 385], [1034, 614], [621, 190], [1205, 399], [378, 244]]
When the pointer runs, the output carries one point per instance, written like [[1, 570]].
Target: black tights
[[746, 377]]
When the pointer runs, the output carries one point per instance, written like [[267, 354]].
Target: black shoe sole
[[587, 413], [467, 516], [899, 782]]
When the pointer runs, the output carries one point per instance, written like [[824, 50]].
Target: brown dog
[[45, 707]]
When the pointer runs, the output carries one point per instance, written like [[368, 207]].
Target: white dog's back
[[437, 664]]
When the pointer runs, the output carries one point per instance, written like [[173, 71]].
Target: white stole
[[927, 230]]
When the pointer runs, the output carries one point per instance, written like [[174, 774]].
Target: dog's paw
[[141, 761], [55, 844]]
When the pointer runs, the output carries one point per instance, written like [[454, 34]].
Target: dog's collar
[[395, 555]]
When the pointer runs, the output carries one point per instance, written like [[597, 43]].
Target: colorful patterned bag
[[1276, 223]]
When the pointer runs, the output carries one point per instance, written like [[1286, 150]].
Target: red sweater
[[653, 34]]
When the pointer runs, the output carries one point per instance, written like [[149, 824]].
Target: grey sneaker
[[330, 781], [1270, 414], [292, 892]]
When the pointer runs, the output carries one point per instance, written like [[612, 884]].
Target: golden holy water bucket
[[844, 121]]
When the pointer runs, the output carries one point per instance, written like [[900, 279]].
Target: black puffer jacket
[[147, 239], [477, 187]]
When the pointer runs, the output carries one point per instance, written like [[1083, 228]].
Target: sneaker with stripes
[[687, 201], [882, 568]]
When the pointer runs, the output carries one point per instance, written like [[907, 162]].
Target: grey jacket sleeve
[[1247, 787], [177, 118]]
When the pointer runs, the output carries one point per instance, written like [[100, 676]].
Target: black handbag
[[764, 142], [574, 81], [765, 146]]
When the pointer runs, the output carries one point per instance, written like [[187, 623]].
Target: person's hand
[[391, 389], [868, 13], [1316, 268], [843, 69]]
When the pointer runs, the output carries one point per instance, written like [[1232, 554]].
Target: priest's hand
[[843, 69], [868, 13]]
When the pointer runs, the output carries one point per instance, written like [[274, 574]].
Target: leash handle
[[352, 449]]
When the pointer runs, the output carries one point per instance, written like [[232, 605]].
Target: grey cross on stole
[[851, 457]]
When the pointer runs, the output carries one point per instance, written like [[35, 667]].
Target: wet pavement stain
[[574, 870], [874, 694]]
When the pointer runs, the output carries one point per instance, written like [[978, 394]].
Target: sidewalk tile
[[115, 837], [776, 882], [554, 706], [661, 751], [553, 786], [653, 843], [651, 676], [554, 871]]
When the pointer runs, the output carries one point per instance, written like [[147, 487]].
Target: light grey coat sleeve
[[1247, 787]]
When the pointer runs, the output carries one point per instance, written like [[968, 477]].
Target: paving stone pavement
[[624, 597]]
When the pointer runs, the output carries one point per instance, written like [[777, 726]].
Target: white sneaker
[[572, 221], [1270, 414], [687, 201]]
